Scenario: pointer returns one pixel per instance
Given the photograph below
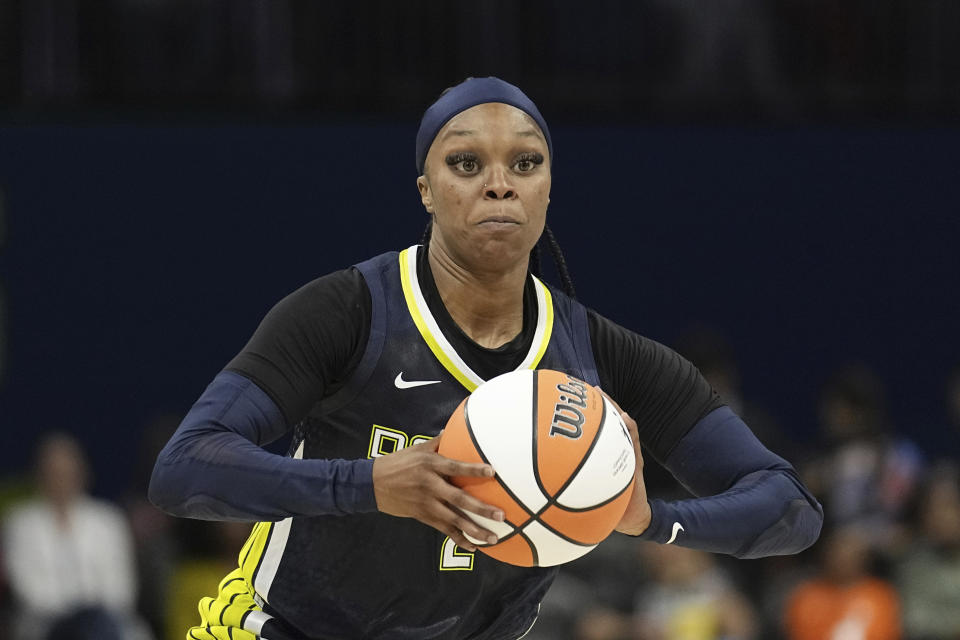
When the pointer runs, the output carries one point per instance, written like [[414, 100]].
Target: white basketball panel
[[608, 468], [551, 548], [495, 526], [500, 414]]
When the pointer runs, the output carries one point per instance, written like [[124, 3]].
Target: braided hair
[[535, 265]]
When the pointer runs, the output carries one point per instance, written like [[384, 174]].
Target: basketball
[[563, 458]]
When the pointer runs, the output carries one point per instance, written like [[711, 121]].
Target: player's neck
[[488, 306]]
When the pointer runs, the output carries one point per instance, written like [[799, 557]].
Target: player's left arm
[[749, 501]]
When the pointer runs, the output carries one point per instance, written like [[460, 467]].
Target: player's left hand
[[637, 517]]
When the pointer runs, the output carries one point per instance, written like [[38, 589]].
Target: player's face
[[487, 184]]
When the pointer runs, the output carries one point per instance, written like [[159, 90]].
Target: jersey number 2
[[453, 558]]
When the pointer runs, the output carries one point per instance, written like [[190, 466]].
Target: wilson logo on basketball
[[567, 415]]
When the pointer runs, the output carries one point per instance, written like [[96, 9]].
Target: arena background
[[785, 173], [140, 257]]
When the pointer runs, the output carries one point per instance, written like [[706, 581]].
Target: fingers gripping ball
[[563, 458]]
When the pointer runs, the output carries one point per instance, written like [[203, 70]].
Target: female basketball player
[[359, 533]]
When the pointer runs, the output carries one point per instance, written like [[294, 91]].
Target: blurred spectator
[[844, 601], [765, 581], [739, 58], [210, 48], [180, 560], [929, 573], [51, 49], [154, 533], [69, 556], [211, 553], [603, 582], [727, 57], [688, 597], [867, 475]]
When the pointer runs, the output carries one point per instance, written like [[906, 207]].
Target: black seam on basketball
[[586, 454], [266, 545], [552, 500], [599, 504], [594, 506], [483, 456], [514, 532], [536, 518], [564, 536], [535, 434]]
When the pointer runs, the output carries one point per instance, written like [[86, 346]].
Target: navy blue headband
[[470, 93]]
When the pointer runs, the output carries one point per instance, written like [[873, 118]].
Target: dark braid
[[536, 268], [425, 239], [535, 264], [561, 263]]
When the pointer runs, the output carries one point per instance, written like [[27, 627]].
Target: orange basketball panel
[[588, 527], [456, 443], [568, 416], [489, 491], [514, 550], [455, 440]]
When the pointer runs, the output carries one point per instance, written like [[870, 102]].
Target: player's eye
[[527, 162], [463, 163]]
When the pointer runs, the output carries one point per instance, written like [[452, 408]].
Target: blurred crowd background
[[770, 187], [658, 60]]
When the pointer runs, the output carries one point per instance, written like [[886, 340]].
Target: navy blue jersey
[[378, 576]]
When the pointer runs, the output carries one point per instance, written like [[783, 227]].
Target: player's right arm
[[214, 467]]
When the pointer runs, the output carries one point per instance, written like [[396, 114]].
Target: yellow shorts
[[232, 615]]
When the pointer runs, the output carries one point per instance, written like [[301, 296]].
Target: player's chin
[[503, 247]]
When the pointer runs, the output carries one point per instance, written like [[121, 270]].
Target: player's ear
[[426, 195]]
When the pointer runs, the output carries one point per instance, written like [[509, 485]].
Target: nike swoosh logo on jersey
[[677, 528], [409, 384]]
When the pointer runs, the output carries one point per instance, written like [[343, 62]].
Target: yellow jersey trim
[[441, 347]]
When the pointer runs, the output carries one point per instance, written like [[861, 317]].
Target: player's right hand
[[414, 483]]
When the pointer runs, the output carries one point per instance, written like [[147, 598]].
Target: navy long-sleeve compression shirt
[[751, 503]]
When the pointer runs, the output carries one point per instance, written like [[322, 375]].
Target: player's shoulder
[[607, 330], [617, 347], [343, 288], [341, 280]]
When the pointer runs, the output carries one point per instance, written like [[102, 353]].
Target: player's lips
[[498, 221]]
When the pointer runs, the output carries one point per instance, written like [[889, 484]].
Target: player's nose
[[498, 185]]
